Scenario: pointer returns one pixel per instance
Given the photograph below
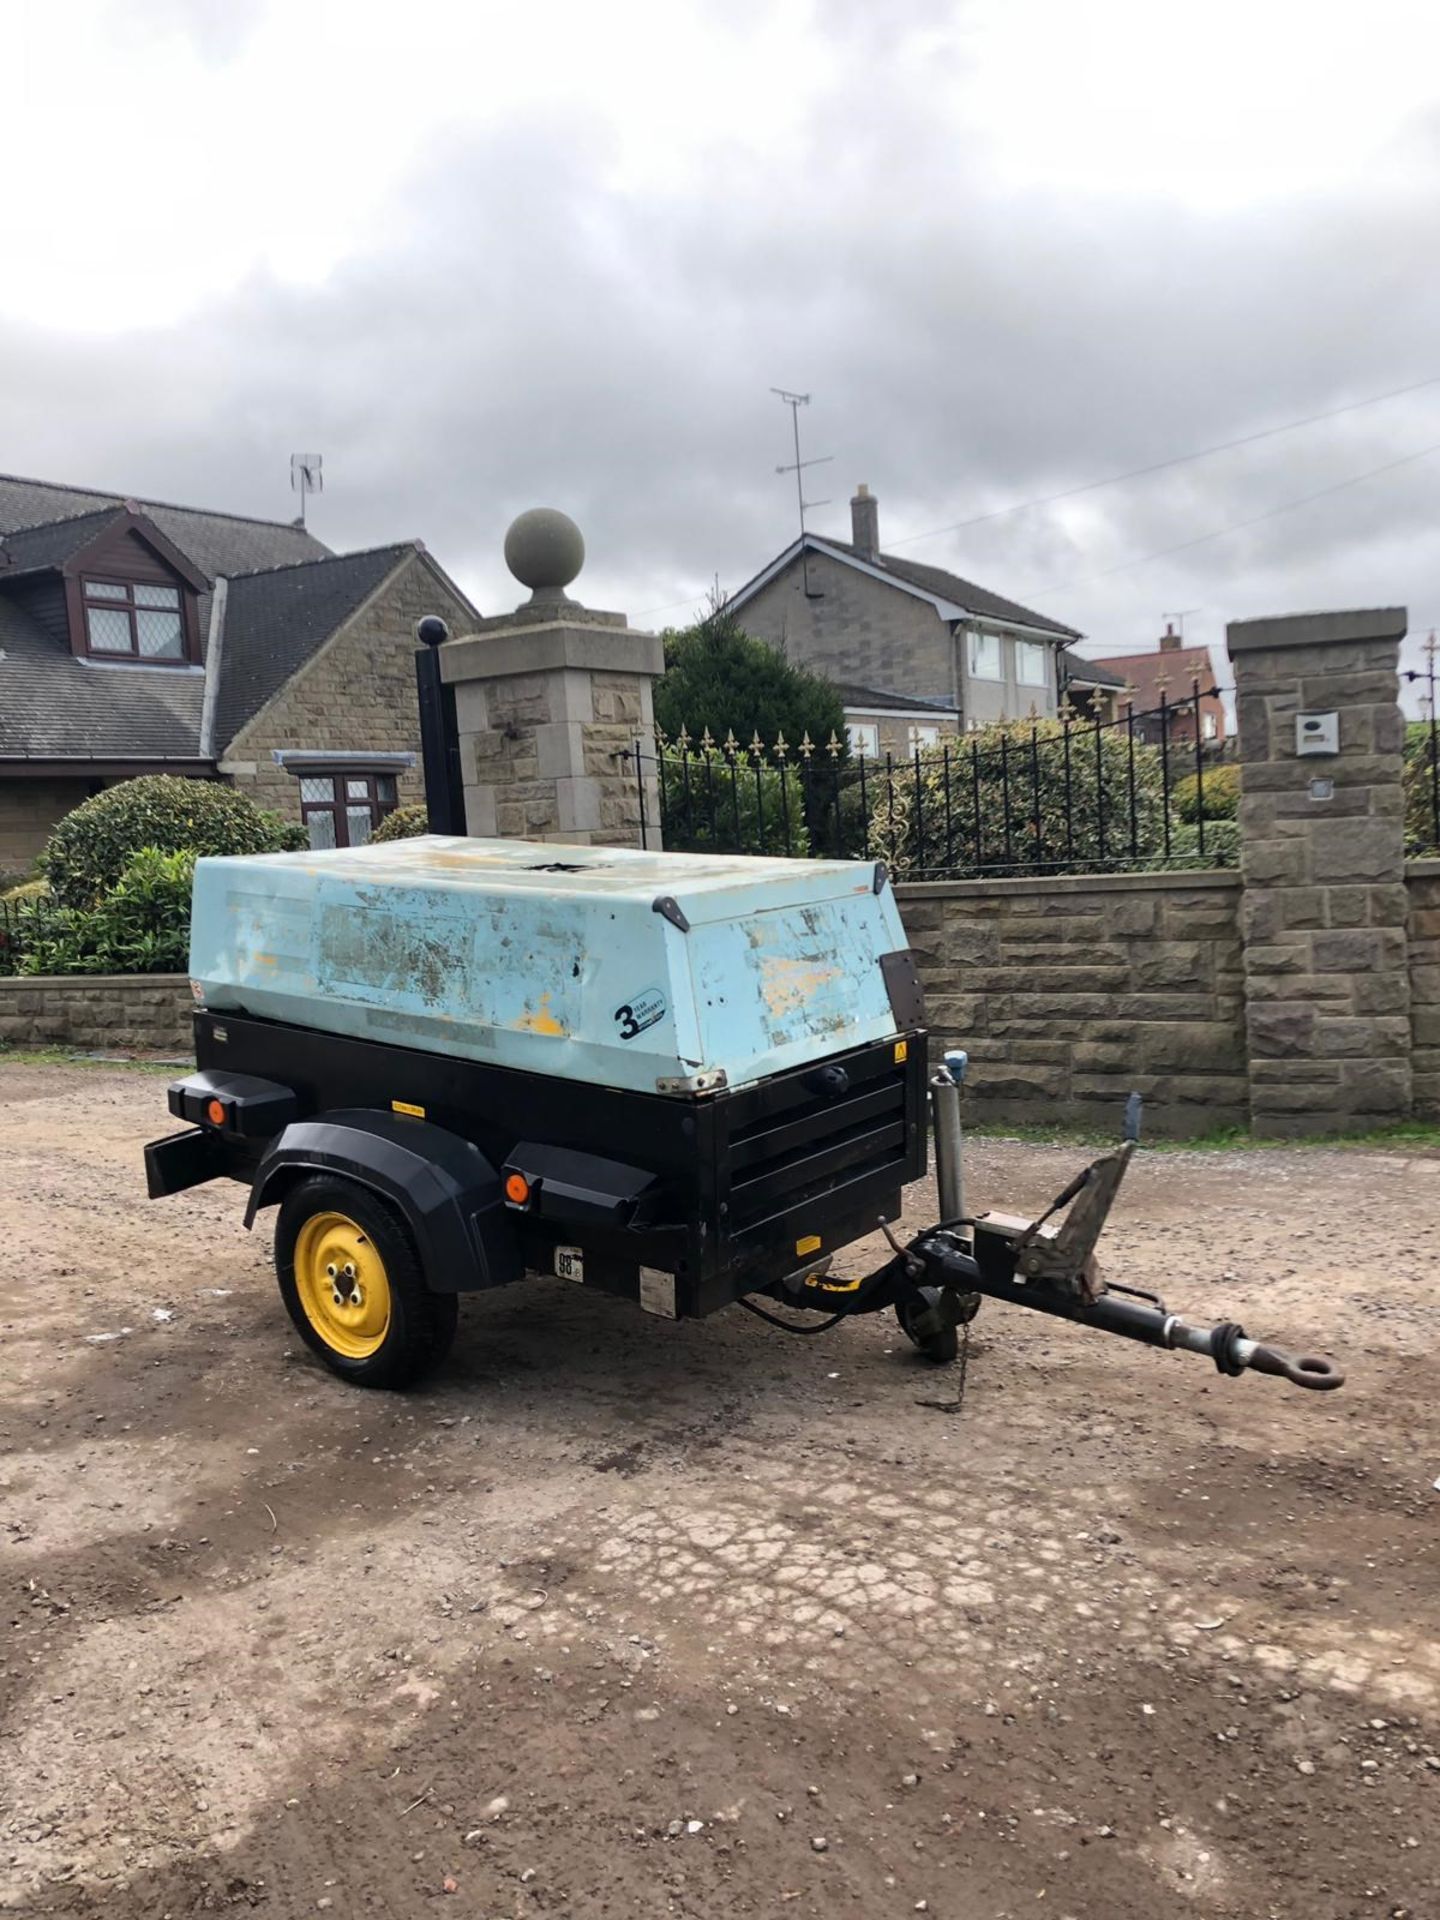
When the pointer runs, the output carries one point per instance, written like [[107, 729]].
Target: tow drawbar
[[940, 1260], [1052, 1268]]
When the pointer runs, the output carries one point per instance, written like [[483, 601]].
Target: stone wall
[[1070, 993], [356, 694], [1423, 886], [106, 1013]]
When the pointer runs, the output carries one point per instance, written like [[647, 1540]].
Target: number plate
[[570, 1263]]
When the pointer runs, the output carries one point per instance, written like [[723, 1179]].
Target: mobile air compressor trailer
[[683, 1080]]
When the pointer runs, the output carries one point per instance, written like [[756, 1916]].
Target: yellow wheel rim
[[343, 1287]]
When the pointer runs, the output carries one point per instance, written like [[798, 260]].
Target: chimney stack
[[1170, 641], [865, 523]]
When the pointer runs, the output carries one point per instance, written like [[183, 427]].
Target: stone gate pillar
[[549, 700], [1322, 858]]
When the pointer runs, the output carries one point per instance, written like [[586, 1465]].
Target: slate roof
[[1090, 673], [214, 542], [275, 620], [55, 707], [50, 545], [949, 586], [880, 700], [287, 594]]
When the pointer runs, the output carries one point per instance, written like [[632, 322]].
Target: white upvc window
[[864, 737], [1209, 724], [922, 736], [1032, 669], [986, 660]]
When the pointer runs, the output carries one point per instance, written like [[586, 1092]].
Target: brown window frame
[[133, 657], [339, 803]]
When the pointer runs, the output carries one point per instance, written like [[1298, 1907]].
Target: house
[[1175, 671], [139, 637], [880, 723], [1093, 691], [912, 647]]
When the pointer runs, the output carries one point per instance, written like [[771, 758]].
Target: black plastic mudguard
[[447, 1190]]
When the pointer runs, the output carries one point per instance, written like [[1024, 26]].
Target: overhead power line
[[1236, 526], [1160, 466]]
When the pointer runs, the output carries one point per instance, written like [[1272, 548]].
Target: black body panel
[[255, 1109], [736, 1182]]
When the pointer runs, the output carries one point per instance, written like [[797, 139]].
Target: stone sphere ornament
[[545, 550]]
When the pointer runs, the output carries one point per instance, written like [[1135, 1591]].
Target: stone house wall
[[29, 809], [858, 630], [357, 692]]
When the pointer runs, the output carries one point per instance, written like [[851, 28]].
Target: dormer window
[[133, 620]]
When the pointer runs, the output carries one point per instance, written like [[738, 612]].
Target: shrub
[[1219, 789], [1222, 845], [710, 806], [974, 808], [718, 676], [286, 836], [141, 926], [405, 823], [92, 847]]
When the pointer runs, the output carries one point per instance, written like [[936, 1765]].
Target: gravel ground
[[619, 1618]]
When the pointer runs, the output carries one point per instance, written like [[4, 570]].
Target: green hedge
[[405, 823], [1220, 790], [141, 926], [92, 847]]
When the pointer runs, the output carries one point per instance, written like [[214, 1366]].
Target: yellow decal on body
[[405, 1106], [902, 1052], [810, 1244], [541, 1020]]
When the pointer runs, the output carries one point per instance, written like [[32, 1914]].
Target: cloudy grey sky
[[484, 256]]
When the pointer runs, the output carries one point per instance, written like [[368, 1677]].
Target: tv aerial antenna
[[798, 467], [306, 476], [1179, 614]]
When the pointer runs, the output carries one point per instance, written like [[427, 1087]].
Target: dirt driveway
[[626, 1619]]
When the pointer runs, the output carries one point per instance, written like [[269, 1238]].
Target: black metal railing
[[1422, 763], [1145, 790]]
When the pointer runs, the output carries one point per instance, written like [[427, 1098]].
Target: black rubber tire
[[930, 1319], [422, 1323]]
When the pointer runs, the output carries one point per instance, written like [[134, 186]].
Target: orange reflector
[[215, 1113], [517, 1189]]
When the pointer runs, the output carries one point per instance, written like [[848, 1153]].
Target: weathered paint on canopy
[[555, 958]]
